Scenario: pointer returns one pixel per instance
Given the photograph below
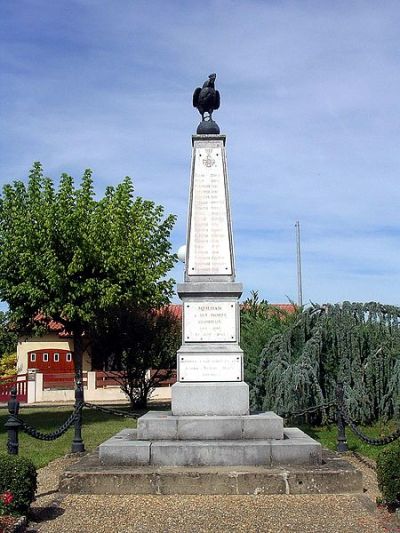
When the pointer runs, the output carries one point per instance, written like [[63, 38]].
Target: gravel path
[[54, 512]]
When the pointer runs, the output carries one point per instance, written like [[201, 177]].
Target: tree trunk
[[139, 403]]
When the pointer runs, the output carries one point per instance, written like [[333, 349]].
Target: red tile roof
[[52, 325], [175, 309], [290, 308]]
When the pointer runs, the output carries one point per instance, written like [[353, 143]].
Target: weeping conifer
[[357, 343]]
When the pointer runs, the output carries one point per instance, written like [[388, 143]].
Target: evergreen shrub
[[260, 322], [388, 473], [17, 477], [356, 343]]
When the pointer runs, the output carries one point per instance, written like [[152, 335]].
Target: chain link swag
[[115, 412], [360, 434], [342, 408], [309, 410], [33, 432]]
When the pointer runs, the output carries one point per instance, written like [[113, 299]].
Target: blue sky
[[310, 95]]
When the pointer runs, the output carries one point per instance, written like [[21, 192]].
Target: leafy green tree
[[357, 343], [138, 348], [68, 257], [260, 322]]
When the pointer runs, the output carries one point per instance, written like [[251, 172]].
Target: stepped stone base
[[333, 476], [294, 449]]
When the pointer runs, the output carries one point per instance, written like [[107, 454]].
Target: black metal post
[[12, 425], [78, 445], [77, 442], [341, 445]]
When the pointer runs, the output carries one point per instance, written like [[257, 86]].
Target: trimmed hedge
[[388, 473], [18, 475]]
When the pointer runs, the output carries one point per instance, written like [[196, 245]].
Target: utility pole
[[299, 280]]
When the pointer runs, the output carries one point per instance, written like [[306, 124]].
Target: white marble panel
[[210, 321], [210, 367]]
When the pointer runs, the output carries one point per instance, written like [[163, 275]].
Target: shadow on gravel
[[43, 514]]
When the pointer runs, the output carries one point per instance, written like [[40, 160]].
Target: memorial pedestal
[[210, 360], [210, 424]]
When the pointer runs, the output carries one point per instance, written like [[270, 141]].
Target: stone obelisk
[[210, 361]]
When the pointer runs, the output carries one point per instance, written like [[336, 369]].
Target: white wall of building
[[38, 394]]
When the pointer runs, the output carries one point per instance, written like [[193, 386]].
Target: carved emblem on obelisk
[[208, 161]]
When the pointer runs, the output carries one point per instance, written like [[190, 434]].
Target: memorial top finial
[[207, 100]]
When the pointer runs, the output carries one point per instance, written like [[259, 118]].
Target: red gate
[[6, 384]]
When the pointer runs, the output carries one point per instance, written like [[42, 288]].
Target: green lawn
[[327, 435], [97, 427]]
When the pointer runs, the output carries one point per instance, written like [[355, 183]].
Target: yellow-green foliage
[[8, 365]]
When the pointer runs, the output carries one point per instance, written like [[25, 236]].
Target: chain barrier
[[14, 422], [360, 434], [33, 432], [309, 410], [342, 411], [108, 410]]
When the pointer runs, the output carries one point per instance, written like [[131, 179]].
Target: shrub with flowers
[[17, 484], [6, 500]]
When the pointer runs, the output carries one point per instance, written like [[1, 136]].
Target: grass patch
[[97, 427], [327, 436]]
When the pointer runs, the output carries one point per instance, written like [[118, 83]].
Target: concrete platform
[[333, 476], [295, 448], [162, 425]]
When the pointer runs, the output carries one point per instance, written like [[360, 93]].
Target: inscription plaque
[[212, 367], [209, 246], [210, 321]]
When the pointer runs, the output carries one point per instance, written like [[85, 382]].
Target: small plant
[[17, 484], [388, 473]]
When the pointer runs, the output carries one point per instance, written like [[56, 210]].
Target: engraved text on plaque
[[209, 246], [210, 321], [213, 367]]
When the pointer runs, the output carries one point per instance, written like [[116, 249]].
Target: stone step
[[294, 449], [162, 425], [333, 476]]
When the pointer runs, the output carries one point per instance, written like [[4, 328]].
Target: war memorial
[[209, 443]]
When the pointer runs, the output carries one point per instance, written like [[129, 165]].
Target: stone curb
[[88, 476]]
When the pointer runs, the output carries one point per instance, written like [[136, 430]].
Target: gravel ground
[[54, 512]]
